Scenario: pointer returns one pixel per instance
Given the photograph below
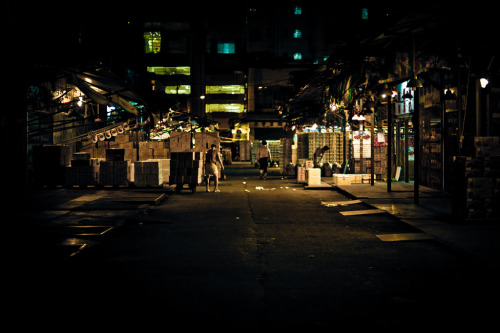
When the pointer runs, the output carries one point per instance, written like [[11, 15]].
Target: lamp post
[[415, 84], [387, 94]]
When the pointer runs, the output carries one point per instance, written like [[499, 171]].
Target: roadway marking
[[404, 237], [339, 203], [364, 212]]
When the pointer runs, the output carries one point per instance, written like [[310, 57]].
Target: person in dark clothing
[[318, 156]]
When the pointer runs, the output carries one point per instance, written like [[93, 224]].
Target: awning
[[103, 88]]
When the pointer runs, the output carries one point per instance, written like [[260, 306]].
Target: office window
[[226, 89], [161, 70], [297, 33], [297, 10], [178, 90], [226, 48], [297, 56], [364, 13], [231, 107], [152, 42]]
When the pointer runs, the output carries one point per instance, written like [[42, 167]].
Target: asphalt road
[[260, 255]]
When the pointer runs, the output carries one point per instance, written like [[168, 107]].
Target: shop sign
[[405, 105]]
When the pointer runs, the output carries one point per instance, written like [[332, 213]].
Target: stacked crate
[[127, 141], [186, 168], [83, 171], [482, 172], [182, 141], [244, 150], [286, 157], [186, 156], [151, 172], [308, 142], [153, 150], [114, 170], [49, 164], [275, 149]]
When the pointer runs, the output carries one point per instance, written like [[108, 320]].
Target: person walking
[[263, 156], [211, 158]]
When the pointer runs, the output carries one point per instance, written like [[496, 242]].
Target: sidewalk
[[432, 215]]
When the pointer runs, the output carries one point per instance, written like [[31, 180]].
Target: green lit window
[[231, 107], [182, 89], [297, 56], [297, 10], [152, 42], [297, 33], [179, 70], [364, 13], [226, 89], [226, 48]]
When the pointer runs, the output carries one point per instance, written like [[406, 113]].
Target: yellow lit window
[[152, 42], [161, 70], [232, 107], [226, 89], [180, 89]]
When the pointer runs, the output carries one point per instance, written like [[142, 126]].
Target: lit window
[[152, 42], [297, 10], [297, 56], [364, 13], [226, 48], [231, 107], [161, 70], [178, 90], [297, 33], [226, 89]]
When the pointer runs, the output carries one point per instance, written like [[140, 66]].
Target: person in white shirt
[[263, 156]]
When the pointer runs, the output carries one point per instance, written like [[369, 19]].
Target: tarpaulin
[[104, 89]]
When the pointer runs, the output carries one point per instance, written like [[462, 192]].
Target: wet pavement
[[259, 254], [432, 215]]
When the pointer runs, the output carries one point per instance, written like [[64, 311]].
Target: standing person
[[318, 155], [263, 156], [211, 158]]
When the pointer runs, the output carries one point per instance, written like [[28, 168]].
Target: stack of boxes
[[187, 157], [182, 141], [127, 141], [186, 168], [114, 170], [244, 150], [308, 142], [84, 170], [151, 172], [49, 164], [287, 157], [483, 179], [153, 150], [301, 170]]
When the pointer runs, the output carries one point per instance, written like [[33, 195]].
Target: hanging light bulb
[[484, 82]]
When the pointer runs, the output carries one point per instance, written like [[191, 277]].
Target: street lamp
[[484, 82], [414, 83]]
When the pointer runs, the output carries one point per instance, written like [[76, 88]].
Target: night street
[[259, 255]]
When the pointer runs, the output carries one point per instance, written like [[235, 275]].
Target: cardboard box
[[313, 176], [340, 179]]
